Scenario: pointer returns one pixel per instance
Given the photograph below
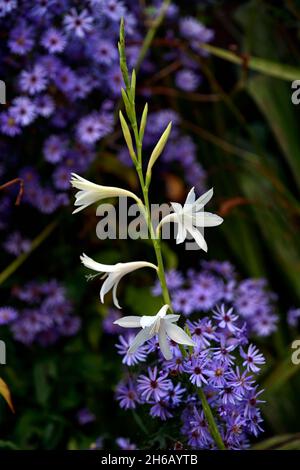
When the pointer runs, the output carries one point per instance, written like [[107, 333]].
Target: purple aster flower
[[225, 318], [55, 148], [102, 51], [176, 365], [45, 105], [78, 23], [125, 444], [197, 369], [114, 9], [46, 201], [293, 316], [229, 395], [187, 80], [61, 177], [89, 129], [65, 79], [182, 302], [9, 125], [22, 332], [54, 40], [21, 39], [174, 281], [160, 410], [203, 298], [69, 326], [33, 81], [253, 358], [155, 385], [7, 6], [175, 395], [7, 315], [202, 332], [85, 416], [115, 80], [242, 381], [192, 29], [140, 354], [199, 435], [252, 401], [223, 351], [235, 430], [23, 110], [265, 324], [127, 396], [15, 244], [82, 87], [217, 373], [254, 421]]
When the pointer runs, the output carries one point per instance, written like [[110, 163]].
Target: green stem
[[151, 33], [211, 421], [11, 268]]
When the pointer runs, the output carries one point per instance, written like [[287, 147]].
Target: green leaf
[[274, 101], [277, 442], [142, 301], [257, 64], [4, 391], [41, 384]]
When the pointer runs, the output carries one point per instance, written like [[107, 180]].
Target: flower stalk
[[129, 102]]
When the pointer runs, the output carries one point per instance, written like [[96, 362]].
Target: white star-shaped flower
[[113, 274], [191, 217], [160, 324]]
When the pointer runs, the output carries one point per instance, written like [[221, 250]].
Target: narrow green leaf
[[267, 67], [158, 150], [127, 136], [143, 122]]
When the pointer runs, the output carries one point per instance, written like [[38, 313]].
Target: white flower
[[160, 324], [113, 274], [91, 192], [191, 217]]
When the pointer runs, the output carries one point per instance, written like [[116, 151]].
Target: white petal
[[198, 237], [129, 322], [207, 219], [164, 344], [91, 264], [178, 209], [172, 318], [191, 197], [107, 285], [181, 233], [140, 339], [204, 199], [114, 294], [148, 320], [162, 312], [177, 334]]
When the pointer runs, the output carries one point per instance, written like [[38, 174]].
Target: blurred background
[[222, 72]]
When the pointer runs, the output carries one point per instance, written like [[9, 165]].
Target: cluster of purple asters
[[223, 365], [45, 314], [60, 63], [217, 282]]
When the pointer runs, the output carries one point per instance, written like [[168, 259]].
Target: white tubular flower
[[160, 324], [191, 217], [113, 274], [91, 192]]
